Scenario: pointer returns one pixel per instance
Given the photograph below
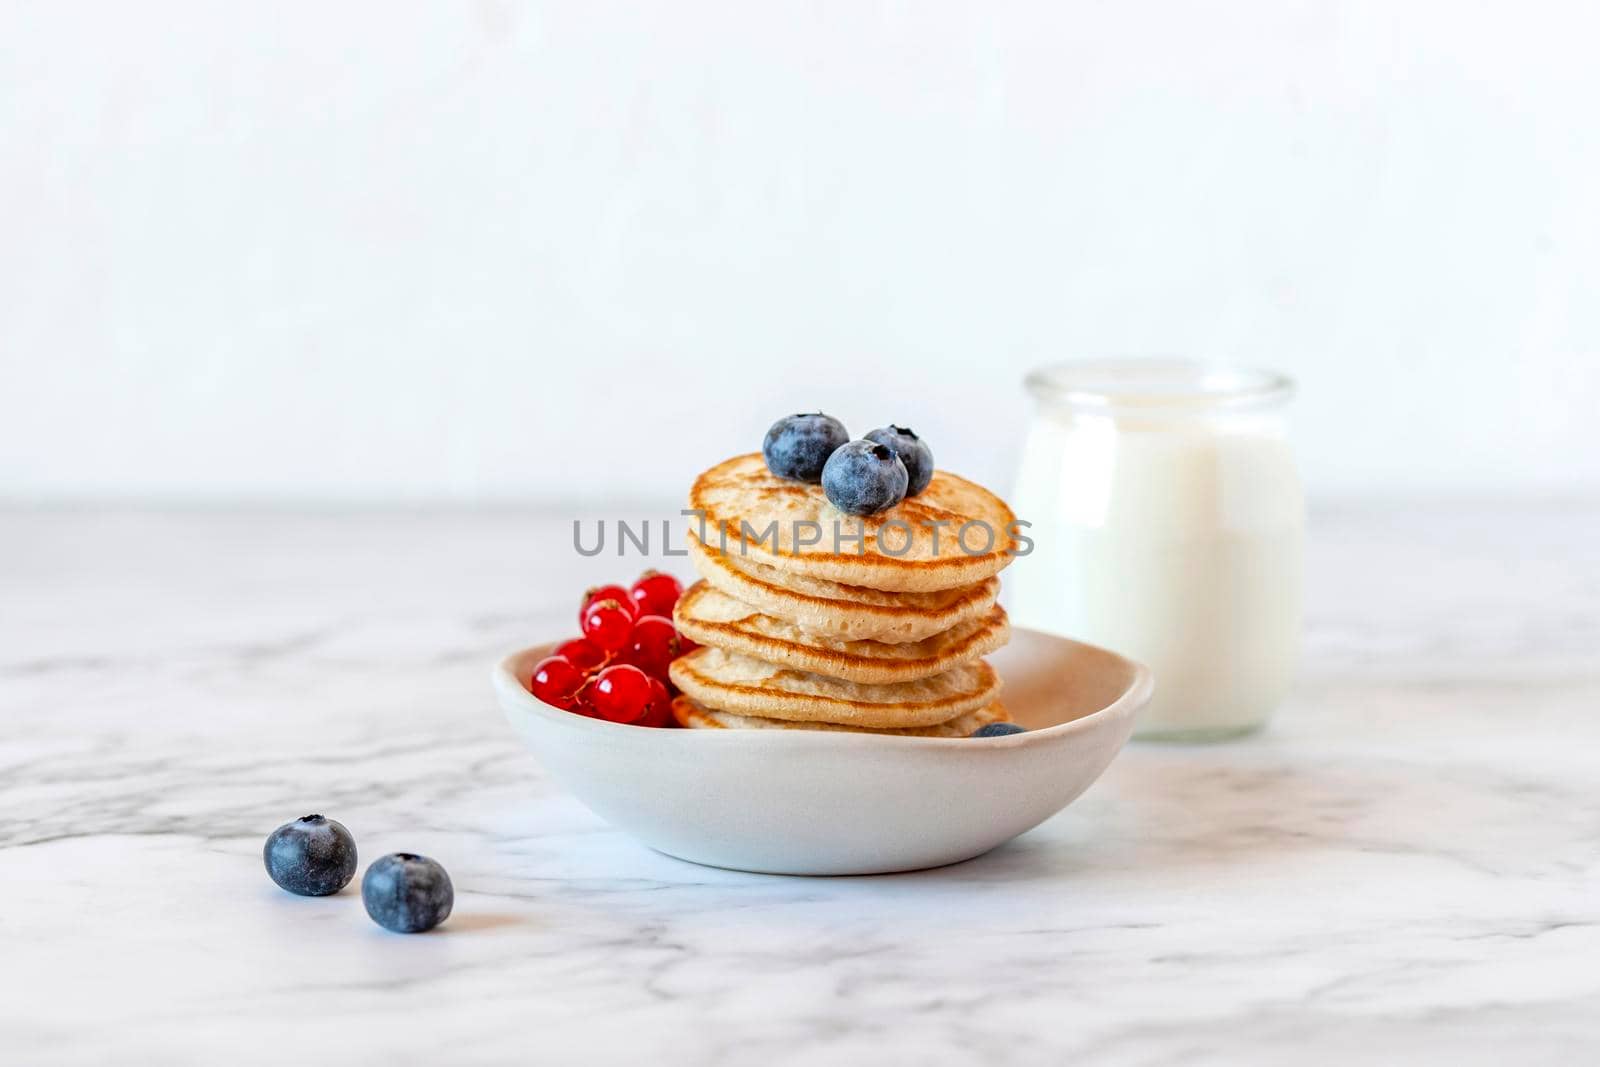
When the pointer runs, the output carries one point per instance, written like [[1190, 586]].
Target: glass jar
[[1168, 521]]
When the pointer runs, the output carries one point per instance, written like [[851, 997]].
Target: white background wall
[[380, 251]]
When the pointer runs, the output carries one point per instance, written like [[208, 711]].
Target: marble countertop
[[1405, 866]]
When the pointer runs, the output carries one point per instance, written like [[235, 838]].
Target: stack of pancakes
[[881, 630]]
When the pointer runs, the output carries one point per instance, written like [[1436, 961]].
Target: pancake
[[742, 491], [835, 610], [727, 681], [695, 717], [709, 616]]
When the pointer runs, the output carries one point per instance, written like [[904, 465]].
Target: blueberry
[[913, 452], [407, 894], [798, 446], [311, 856], [998, 729], [863, 477]]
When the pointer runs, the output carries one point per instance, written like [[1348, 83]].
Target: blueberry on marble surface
[[864, 477], [998, 729], [797, 446], [913, 452], [312, 856], [407, 893]]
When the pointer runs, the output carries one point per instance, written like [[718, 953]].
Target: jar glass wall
[[1168, 520]]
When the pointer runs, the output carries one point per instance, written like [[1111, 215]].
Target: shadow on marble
[[478, 922]]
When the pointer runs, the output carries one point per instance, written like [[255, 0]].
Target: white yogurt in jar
[[1168, 522]]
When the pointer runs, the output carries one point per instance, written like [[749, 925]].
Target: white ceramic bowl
[[824, 802]]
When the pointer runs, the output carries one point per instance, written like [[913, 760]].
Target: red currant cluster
[[618, 669]]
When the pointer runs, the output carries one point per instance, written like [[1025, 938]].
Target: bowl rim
[[514, 694]]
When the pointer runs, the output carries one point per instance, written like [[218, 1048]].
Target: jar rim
[[1157, 384]]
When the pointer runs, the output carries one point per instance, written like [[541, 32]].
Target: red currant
[[655, 644], [659, 711], [585, 700], [556, 682], [622, 693], [606, 592], [582, 654], [608, 626], [656, 593]]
